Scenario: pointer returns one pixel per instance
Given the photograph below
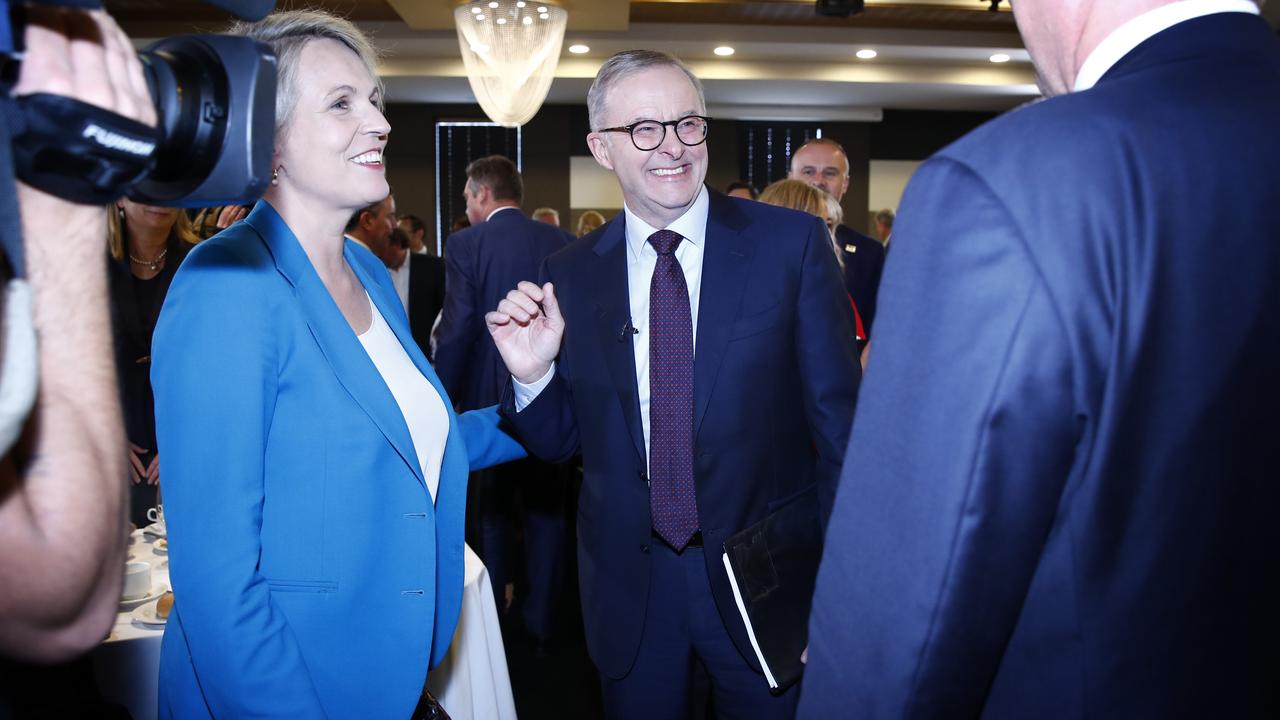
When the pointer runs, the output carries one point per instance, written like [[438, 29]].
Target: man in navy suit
[[500, 249], [1059, 501], [681, 449], [823, 164]]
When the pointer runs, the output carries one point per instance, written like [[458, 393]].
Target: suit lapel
[[725, 261], [613, 313], [339, 344]]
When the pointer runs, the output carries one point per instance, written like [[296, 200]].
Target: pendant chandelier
[[510, 49]]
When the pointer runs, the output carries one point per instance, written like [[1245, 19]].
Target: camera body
[[215, 103]]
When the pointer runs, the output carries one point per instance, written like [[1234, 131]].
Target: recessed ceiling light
[[579, 49], [999, 58], [866, 54], [723, 51]]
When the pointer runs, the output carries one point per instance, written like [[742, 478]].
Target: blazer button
[[644, 549]]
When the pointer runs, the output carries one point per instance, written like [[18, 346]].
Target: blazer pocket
[[755, 323], [303, 586]]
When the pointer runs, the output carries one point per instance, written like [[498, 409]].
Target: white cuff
[[525, 394]]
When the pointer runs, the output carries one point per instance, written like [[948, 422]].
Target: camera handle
[[77, 151]]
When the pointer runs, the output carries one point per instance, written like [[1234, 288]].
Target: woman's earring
[[275, 176]]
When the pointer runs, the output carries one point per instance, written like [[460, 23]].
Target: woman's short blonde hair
[[286, 33], [588, 221], [801, 196]]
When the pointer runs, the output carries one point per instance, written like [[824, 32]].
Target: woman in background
[[146, 244], [315, 474], [588, 221], [801, 196]]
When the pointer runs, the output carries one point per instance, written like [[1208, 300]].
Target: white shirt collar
[[1130, 35], [498, 210], [692, 225]]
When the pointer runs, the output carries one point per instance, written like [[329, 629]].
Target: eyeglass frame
[[630, 131]]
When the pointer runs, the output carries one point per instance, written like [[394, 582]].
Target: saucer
[[156, 592], [154, 529], [160, 546], [145, 615]]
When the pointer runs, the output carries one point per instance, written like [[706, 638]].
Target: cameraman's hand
[[83, 55]]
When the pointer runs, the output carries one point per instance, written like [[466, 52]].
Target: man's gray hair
[[286, 33], [626, 63]]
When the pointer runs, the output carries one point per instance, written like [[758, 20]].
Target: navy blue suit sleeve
[[961, 446], [827, 356], [461, 322]]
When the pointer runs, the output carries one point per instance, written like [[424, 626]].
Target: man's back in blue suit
[[485, 261], [1063, 470]]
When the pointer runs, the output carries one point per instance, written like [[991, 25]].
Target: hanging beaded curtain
[[510, 49]]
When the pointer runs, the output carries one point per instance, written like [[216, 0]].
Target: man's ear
[[366, 220], [600, 149]]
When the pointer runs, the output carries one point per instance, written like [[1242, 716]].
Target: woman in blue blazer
[[314, 473]]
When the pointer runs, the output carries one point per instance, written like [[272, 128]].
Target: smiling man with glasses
[[698, 351]]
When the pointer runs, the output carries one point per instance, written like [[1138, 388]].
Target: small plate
[[156, 592], [160, 546], [145, 615]]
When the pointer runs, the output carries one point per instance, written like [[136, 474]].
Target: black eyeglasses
[[649, 134]]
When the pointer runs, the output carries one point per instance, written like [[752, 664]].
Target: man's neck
[[495, 209]]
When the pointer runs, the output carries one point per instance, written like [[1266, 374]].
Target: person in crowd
[[424, 280], [884, 226], [742, 189], [823, 205], [501, 249], [62, 530], [460, 223], [588, 222], [823, 164], [679, 450], [314, 470], [1060, 497], [211, 221], [146, 244], [547, 215], [417, 230]]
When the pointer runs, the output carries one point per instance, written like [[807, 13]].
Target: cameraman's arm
[[62, 490]]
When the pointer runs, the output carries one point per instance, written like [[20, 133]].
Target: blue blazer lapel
[[338, 343], [725, 260], [613, 312]]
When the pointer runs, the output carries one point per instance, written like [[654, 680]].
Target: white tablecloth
[[471, 683]]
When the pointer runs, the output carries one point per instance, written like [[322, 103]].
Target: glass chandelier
[[510, 49]]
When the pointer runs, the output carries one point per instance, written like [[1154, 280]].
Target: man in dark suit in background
[[501, 248], [680, 449], [1060, 498], [823, 164], [425, 293]]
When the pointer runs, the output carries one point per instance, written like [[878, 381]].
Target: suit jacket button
[[644, 549]]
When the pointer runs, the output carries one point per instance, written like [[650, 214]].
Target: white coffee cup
[[137, 580], [156, 515]]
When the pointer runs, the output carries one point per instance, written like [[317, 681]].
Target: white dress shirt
[[641, 261], [1130, 35], [400, 279]]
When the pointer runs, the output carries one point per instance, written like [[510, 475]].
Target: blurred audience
[[884, 225], [417, 231], [742, 189], [547, 215]]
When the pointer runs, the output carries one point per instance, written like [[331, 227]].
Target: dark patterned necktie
[[672, 502]]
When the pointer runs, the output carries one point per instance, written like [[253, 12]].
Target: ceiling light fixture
[[579, 49], [1000, 58], [866, 54], [511, 76], [724, 51]]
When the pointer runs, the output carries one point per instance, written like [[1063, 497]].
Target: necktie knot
[[665, 241]]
